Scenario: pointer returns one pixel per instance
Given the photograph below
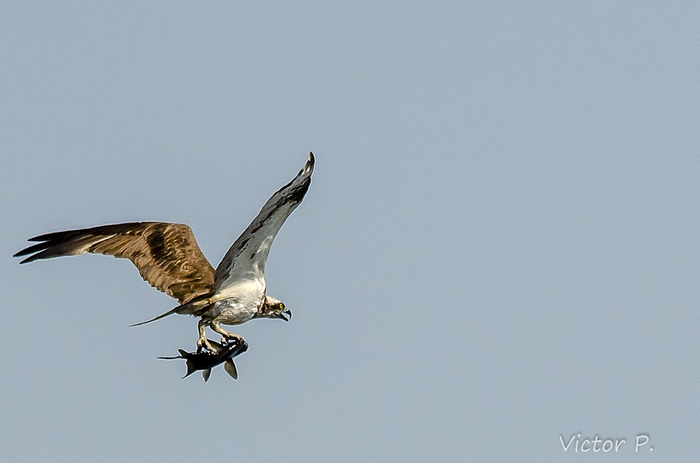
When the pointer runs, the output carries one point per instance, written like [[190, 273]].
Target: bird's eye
[[281, 306]]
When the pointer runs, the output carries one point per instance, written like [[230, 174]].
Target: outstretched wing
[[246, 258], [166, 254]]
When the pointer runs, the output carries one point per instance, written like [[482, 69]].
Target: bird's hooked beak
[[286, 315]]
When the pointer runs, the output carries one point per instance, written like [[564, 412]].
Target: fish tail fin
[[183, 355]]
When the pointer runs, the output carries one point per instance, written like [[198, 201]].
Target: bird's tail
[[169, 312], [193, 307]]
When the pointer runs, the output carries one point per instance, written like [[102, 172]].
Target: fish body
[[204, 360]]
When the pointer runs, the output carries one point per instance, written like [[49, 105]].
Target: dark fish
[[204, 360]]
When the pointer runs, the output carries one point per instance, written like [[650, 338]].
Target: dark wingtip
[[28, 259], [40, 250], [29, 250], [309, 166]]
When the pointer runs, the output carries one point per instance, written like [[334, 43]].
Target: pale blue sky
[[499, 245]]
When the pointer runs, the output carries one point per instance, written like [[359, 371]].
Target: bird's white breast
[[238, 302]]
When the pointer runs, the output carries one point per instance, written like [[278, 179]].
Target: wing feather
[[247, 256], [165, 254]]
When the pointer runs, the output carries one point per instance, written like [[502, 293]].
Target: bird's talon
[[231, 339], [205, 346]]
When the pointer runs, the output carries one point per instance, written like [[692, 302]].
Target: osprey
[[167, 257]]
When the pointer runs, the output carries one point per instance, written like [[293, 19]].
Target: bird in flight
[[168, 257]]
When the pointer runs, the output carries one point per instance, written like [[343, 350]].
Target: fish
[[204, 360]]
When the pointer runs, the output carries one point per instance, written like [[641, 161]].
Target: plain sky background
[[499, 245]]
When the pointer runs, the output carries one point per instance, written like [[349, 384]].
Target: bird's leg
[[225, 335], [203, 342]]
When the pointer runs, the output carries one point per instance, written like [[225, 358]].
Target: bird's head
[[274, 308]]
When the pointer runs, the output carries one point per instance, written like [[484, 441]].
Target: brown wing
[[166, 254]]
